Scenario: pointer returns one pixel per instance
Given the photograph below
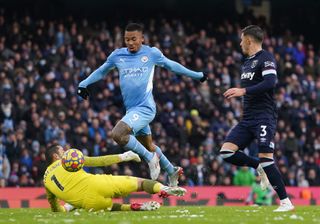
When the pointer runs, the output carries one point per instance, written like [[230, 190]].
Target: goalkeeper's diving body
[[136, 65], [95, 192]]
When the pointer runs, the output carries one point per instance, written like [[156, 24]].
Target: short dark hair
[[52, 149], [134, 27], [254, 31]]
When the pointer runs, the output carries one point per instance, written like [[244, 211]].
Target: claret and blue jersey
[[136, 72], [254, 71]]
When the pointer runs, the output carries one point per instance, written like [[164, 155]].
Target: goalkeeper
[[259, 196], [95, 192]]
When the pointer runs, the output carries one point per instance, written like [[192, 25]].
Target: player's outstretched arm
[[175, 67], [95, 76], [92, 78], [54, 203], [68, 207], [111, 159], [181, 70]]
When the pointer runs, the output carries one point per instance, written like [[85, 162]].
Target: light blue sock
[[164, 162], [137, 147]]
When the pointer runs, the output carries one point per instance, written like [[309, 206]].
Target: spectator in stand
[[313, 178], [244, 177], [4, 166]]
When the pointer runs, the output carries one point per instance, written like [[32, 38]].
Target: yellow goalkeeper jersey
[[67, 186]]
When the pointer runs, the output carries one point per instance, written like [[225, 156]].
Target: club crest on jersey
[[254, 63], [144, 59]]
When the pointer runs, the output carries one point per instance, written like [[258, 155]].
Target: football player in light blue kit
[[136, 64]]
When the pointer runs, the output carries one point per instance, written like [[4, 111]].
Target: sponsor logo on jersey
[[269, 64], [248, 75], [144, 59], [254, 63], [134, 72]]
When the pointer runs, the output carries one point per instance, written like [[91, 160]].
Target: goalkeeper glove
[[128, 156], [68, 208], [83, 92]]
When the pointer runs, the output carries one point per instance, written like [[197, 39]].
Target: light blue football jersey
[[136, 72]]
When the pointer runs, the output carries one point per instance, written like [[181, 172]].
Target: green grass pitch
[[167, 215]]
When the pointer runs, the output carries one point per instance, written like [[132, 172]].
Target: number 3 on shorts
[[263, 130]]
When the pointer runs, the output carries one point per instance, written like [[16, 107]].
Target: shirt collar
[[252, 56]]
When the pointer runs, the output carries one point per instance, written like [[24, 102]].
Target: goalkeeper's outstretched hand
[[68, 208], [204, 78], [83, 92], [130, 156]]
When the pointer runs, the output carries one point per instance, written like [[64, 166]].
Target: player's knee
[[226, 153], [228, 147], [121, 133], [114, 135], [120, 137]]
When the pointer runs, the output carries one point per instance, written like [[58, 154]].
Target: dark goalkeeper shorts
[[249, 129]]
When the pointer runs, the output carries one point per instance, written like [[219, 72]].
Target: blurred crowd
[[42, 62]]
